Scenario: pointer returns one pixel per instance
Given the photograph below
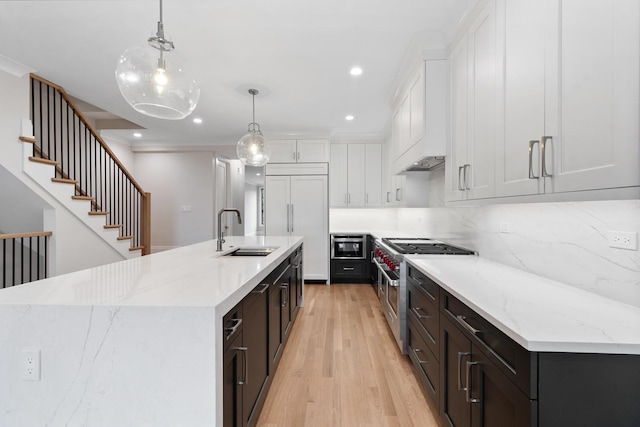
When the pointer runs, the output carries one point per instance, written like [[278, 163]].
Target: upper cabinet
[[355, 175], [474, 81], [299, 151], [419, 117], [550, 100]]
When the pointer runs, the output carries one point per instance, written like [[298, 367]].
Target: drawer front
[[427, 316], [430, 288], [424, 362], [349, 269], [512, 359], [232, 325]]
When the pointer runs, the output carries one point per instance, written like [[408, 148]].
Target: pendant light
[[253, 149], [155, 80]]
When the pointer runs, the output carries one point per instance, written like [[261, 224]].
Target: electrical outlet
[[623, 240], [505, 227], [31, 365]]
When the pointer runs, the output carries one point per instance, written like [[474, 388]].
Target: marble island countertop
[[538, 313], [194, 275]]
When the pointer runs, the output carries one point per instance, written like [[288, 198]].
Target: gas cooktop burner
[[424, 246]]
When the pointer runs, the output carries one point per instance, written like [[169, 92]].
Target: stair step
[[64, 181], [125, 237], [113, 226], [82, 198], [136, 248], [96, 213], [28, 139], [43, 161]]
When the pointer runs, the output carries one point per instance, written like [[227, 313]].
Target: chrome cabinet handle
[[543, 148], [398, 194], [531, 145], [348, 268], [286, 299], [288, 217], [298, 157], [292, 218], [232, 330], [388, 196], [415, 354], [467, 388], [466, 184], [366, 198], [245, 365], [460, 180], [265, 286], [461, 354], [462, 320], [420, 316], [294, 155]]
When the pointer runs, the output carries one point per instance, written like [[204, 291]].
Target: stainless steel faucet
[[220, 234]]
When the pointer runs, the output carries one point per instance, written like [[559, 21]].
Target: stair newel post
[[146, 223]]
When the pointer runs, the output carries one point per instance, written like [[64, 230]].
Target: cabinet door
[[455, 351], [457, 150], [275, 330], [355, 175], [530, 51], [495, 401], [373, 175], [417, 108], [483, 72], [283, 151], [310, 218], [278, 205], [312, 151], [284, 286], [598, 142], [338, 176], [255, 338], [232, 375]]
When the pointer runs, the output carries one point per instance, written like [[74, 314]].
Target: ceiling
[[298, 53]]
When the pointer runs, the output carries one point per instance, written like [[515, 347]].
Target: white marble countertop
[[538, 313], [194, 275]]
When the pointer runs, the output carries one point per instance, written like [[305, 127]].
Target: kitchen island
[[134, 343]]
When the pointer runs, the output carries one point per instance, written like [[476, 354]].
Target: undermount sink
[[249, 251]]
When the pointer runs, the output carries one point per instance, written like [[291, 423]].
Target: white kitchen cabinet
[[299, 151], [471, 165], [297, 205], [355, 175], [571, 87], [419, 119]]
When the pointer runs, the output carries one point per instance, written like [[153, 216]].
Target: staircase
[[68, 158]]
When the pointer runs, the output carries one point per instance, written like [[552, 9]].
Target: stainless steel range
[[392, 280]]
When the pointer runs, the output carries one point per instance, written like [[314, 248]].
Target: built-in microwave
[[345, 246]]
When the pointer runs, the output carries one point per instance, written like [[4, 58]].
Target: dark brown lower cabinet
[[232, 379], [475, 391]]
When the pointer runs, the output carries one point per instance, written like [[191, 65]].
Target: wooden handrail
[[88, 125], [24, 235]]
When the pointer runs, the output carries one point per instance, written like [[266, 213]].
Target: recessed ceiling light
[[356, 71], [197, 120], [349, 117], [137, 135]]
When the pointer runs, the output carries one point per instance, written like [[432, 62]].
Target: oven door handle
[[392, 282]]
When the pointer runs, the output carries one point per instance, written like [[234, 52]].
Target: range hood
[[426, 164]]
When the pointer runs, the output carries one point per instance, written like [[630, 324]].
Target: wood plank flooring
[[342, 367]]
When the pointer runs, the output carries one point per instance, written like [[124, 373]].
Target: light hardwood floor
[[342, 367]]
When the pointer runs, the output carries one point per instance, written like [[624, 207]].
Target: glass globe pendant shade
[[157, 82], [253, 148]]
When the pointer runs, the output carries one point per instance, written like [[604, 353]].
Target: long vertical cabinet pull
[[466, 183], [245, 365], [460, 179], [288, 217], [467, 388], [461, 355], [543, 154], [531, 145], [292, 218]]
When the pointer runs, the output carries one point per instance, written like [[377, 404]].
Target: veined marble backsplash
[[567, 241]]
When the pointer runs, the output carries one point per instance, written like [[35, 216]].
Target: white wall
[[177, 179], [73, 246], [362, 220]]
